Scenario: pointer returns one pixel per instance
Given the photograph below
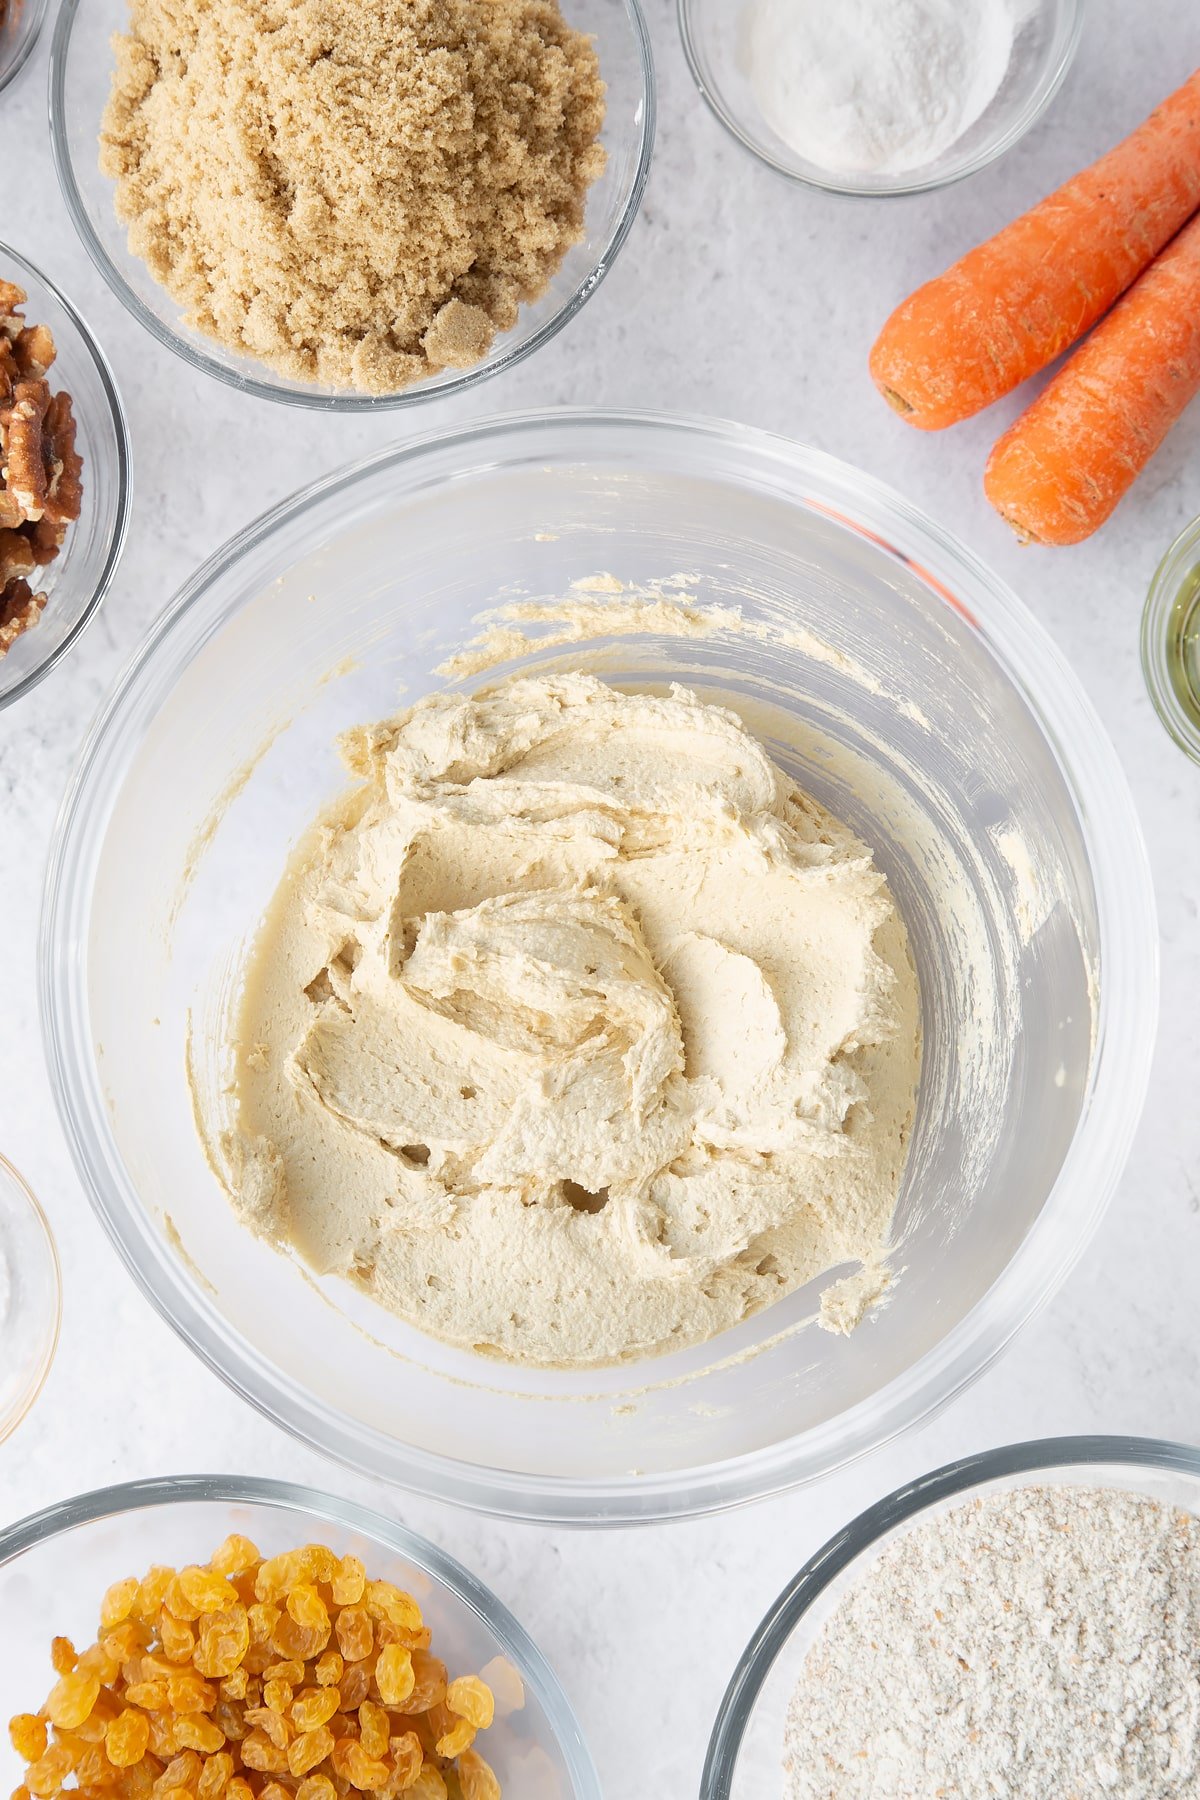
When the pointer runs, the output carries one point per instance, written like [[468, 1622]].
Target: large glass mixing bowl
[[55, 1567], [890, 673]]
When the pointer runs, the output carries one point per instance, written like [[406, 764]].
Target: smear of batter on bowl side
[[576, 1031]]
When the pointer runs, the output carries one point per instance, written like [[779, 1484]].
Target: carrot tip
[[897, 402]]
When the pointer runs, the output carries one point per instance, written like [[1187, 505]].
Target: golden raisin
[[316, 1787], [94, 1768], [297, 1642], [137, 1783], [234, 1556], [230, 1719], [127, 1739], [239, 1789], [188, 1692], [472, 1700], [152, 1591], [272, 1723], [277, 1575], [181, 1772], [274, 1790], [71, 1699], [460, 1736], [28, 1734], [385, 1601], [373, 1729], [306, 1606], [118, 1601], [215, 1775], [309, 1749], [362, 1771], [394, 1676], [291, 1672], [355, 1636], [205, 1591], [62, 1655], [178, 1638], [224, 1640], [355, 1686], [315, 1706], [48, 1773], [277, 1695], [476, 1778], [263, 1620], [151, 1696], [349, 1582], [193, 1731], [329, 1669], [429, 1687], [162, 1734], [258, 1752], [234, 1685], [407, 1757], [429, 1785], [176, 1602]]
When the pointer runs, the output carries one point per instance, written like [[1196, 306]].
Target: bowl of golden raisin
[[214, 1638]]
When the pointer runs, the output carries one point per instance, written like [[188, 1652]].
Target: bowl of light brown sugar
[[349, 207]]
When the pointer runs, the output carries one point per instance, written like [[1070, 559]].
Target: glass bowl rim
[[1156, 619], [269, 388], [12, 1176], [138, 1496], [1026, 117], [1036, 1456], [124, 475], [39, 8], [1117, 1079]]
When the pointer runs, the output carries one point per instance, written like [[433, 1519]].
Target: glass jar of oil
[[1171, 640]]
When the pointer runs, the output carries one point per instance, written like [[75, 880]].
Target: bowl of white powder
[[598, 965], [1025, 1621], [878, 97]]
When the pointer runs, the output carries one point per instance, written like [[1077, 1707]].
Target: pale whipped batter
[[576, 1032]]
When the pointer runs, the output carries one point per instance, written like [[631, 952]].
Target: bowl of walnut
[[237, 1639], [64, 475]]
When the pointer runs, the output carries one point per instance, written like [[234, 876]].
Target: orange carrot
[[1058, 472], [1013, 304]]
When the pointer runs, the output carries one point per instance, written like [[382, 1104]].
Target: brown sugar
[[356, 194]]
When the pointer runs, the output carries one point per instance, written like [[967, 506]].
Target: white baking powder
[[1043, 1642], [875, 86]]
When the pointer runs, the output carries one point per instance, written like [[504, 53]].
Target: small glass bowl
[[23, 21], [30, 1299], [55, 1566], [1171, 640], [745, 1752], [80, 77], [79, 577], [1045, 41]]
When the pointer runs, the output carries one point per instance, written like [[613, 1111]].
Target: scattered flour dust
[[1041, 1642]]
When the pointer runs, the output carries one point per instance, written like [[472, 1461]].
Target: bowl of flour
[[1025, 1621], [878, 97]]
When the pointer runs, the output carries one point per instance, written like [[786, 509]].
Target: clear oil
[[1183, 646]]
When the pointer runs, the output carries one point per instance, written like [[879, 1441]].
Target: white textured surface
[[737, 295]]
